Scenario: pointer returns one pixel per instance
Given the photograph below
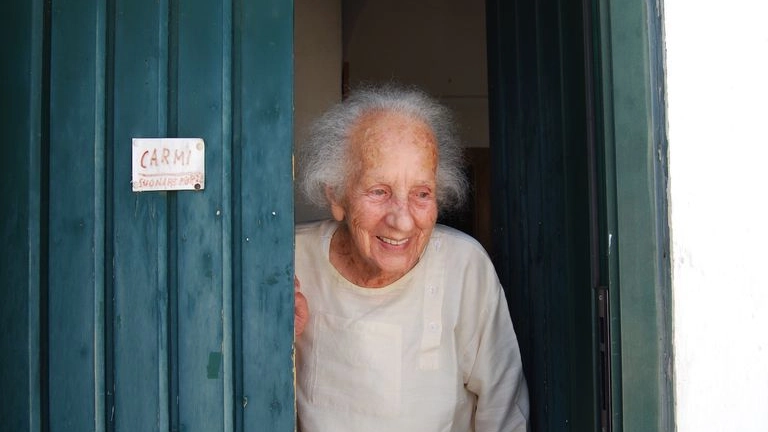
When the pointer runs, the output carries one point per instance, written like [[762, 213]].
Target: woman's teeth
[[393, 241]]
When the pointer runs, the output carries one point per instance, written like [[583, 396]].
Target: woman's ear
[[337, 209]]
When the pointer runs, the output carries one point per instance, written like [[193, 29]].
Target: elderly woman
[[408, 328]]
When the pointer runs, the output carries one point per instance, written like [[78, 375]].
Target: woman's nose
[[399, 215]]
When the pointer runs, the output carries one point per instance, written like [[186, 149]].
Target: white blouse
[[434, 351]]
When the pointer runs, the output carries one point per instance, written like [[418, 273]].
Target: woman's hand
[[301, 309]]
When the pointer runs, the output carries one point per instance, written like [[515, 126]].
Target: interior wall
[[317, 74], [436, 45], [718, 149]]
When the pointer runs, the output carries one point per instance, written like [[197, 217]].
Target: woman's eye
[[379, 192], [423, 195]]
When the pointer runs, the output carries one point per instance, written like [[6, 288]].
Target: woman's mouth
[[393, 242]]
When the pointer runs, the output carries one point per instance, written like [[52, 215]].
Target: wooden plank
[[76, 261], [203, 278], [20, 192], [138, 242], [263, 198]]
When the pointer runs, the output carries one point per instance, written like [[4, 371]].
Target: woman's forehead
[[380, 131]]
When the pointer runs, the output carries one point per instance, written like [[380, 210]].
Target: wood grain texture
[[21, 229], [155, 315], [540, 208], [263, 197], [137, 319], [77, 209]]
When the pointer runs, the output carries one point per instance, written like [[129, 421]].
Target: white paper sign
[[168, 164]]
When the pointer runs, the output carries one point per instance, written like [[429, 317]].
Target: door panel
[[76, 220], [20, 224], [540, 208], [262, 194], [200, 287], [138, 97], [160, 310]]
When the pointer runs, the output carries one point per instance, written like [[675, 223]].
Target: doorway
[[514, 75]]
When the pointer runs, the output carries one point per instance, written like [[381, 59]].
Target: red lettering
[[179, 157], [144, 155]]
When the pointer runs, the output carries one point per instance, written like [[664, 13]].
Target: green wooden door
[[542, 212], [154, 311], [580, 213]]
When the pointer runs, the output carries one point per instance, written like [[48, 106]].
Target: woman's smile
[[393, 242]]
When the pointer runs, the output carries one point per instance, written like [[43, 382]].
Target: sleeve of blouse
[[495, 372]]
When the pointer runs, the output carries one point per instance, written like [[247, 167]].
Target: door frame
[[635, 238]]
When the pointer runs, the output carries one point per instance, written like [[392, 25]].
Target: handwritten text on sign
[[168, 164]]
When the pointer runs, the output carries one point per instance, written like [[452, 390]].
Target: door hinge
[[604, 344]]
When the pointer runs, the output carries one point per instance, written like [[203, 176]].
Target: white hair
[[323, 157]]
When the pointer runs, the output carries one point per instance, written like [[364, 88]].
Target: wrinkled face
[[390, 206]]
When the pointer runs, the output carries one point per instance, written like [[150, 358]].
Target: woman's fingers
[[301, 309]]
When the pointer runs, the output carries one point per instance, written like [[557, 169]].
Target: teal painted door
[[154, 311], [543, 220], [578, 145]]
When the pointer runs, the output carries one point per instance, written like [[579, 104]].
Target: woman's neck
[[352, 266]]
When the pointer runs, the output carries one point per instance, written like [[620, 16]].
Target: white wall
[[717, 86]]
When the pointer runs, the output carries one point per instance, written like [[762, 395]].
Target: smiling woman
[[408, 326], [389, 202]]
